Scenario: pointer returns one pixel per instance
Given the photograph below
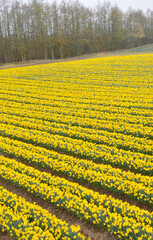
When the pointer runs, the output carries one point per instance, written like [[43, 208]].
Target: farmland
[[76, 147]]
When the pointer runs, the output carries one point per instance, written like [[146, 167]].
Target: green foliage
[[39, 30]]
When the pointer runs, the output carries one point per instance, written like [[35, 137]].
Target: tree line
[[42, 30]]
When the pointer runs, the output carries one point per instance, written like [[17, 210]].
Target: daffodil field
[[79, 136]]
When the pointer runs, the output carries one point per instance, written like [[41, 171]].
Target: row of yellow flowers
[[132, 185], [59, 162], [26, 220], [119, 126], [120, 141], [135, 161], [109, 202], [98, 215], [98, 109], [108, 114], [135, 130], [17, 225], [75, 100], [81, 109], [135, 71]]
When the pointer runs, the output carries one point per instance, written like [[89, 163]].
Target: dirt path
[[82, 57], [43, 61]]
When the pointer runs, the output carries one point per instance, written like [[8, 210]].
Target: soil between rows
[[87, 229]]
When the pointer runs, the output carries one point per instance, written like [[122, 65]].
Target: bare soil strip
[[48, 61], [87, 229], [85, 184], [6, 236], [123, 52]]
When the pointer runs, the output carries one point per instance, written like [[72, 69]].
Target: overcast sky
[[123, 4]]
